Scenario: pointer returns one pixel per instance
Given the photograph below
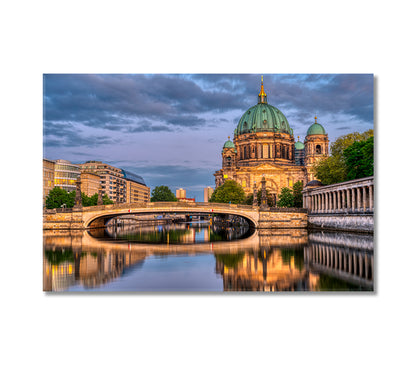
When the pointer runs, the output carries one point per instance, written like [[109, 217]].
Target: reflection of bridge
[[98, 216]]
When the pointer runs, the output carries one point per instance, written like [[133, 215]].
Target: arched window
[[228, 161], [318, 149]]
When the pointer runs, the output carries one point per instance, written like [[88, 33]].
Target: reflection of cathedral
[[264, 145]]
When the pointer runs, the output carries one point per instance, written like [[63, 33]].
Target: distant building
[[66, 175], [119, 185], [181, 193], [186, 199], [136, 189], [208, 191], [48, 177]]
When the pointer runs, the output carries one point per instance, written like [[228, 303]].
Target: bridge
[[98, 216]]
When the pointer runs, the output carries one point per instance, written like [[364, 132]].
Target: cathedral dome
[[316, 129], [263, 117], [229, 144], [299, 145]]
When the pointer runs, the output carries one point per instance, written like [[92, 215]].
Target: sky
[[170, 129]]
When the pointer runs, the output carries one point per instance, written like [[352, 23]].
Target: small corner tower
[[316, 147]]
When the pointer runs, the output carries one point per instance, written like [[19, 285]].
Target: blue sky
[[170, 129]]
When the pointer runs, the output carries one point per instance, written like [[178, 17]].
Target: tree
[[162, 193], [93, 200], [58, 197], [334, 169], [286, 198], [297, 194], [359, 158], [230, 191]]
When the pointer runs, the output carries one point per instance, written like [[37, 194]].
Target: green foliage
[[334, 169], [359, 159], [297, 194], [230, 191], [93, 200], [286, 198], [58, 197], [162, 193]]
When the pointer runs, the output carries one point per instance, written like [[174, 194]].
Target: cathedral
[[264, 146]]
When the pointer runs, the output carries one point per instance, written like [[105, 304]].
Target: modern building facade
[[264, 145], [66, 174]]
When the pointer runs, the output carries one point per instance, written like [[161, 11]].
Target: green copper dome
[[263, 117], [316, 129], [299, 145], [229, 144]]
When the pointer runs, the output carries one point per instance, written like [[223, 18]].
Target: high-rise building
[[208, 191], [181, 193]]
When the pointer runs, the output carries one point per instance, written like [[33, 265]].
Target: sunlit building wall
[[181, 193], [66, 175], [111, 179], [90, 183], [208, 191], [48, 177], [120, 185]]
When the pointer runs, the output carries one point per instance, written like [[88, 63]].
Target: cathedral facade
[[264, 146]]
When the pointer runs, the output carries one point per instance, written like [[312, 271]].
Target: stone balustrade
[[356, 196]]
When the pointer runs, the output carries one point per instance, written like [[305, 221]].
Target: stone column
[[364, 198], [342, 199], [353, 199], [348, 200], [370, 198], [358, 198]]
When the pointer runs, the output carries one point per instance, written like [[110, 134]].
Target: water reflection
[[195, 232], [127, 259]]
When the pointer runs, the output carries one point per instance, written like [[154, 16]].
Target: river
[[202, 257]]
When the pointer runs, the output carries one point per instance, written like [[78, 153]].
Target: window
[[318, 149]]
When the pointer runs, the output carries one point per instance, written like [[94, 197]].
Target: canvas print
[[208, 183]]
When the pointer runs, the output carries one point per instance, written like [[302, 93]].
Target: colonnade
[[352, 263], [265, 151], [347, 197]]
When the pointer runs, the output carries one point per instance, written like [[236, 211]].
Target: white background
[[317, 333]]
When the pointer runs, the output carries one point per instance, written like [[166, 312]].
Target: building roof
[[263, 117], [133, 177], [316, 129], [299, 145], [314, 183], [229, 144]]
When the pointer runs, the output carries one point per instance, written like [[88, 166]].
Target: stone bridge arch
[[100, 215]]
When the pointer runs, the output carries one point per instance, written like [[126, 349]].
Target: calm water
[[199, 257]]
